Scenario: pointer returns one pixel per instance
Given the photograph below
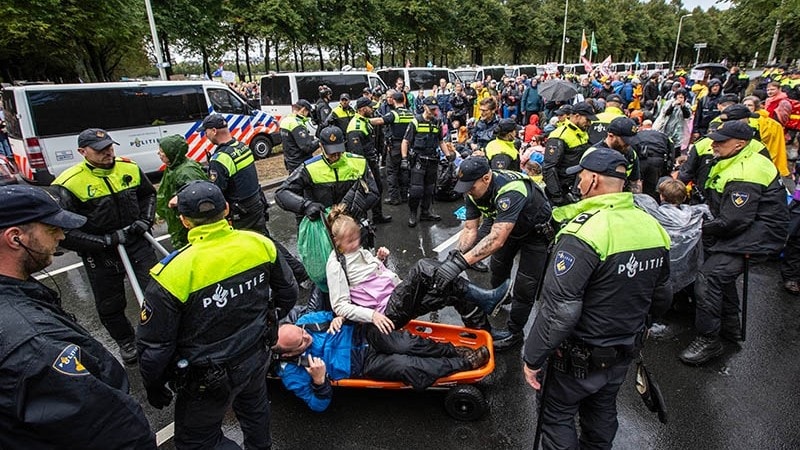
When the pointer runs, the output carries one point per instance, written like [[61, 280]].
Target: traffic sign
[[700, 45]]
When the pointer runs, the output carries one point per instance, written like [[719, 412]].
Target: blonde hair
[[340, 222]]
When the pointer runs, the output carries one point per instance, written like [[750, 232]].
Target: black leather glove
[[159, 396], [116, 238], [404, 164], [139, 227], [449, 270], [313, 209]]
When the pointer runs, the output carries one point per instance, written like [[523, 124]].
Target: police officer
[[396, 122], [419, 155], [599, 127], [519, 213], [330, 178], [119, 202], [609, 269], [564, 148], [298, 143], [621, 135], [746, 196], [232, 168], [62, 388], [208, 334], [322, 109], [361, 141], [656, 158], [502, 152], [341, 115]]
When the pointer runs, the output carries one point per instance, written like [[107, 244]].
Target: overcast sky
[[705, 4]]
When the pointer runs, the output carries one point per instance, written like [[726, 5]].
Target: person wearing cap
[[706, 109], [63, 386], [322, 108], [396, 121], [622, 135], [599, 127], [341, 115], [484, 130], [120, 203], [299, 143], [748, 200], [206, 322], [502, 151], [419, 155], [332, 177], [361, 141], [517, 214], [564, 148], [179, 170], [608, 271]]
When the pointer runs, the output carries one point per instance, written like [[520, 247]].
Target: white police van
[[44, 121]]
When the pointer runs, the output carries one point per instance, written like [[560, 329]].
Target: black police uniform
[[62, 388], [597, 292], [424, 138], [654, 150], [397, 121], [215, 323], [322, 109], [564, 149], [361, 141], [298, 143], [514, 198], [111, 199]]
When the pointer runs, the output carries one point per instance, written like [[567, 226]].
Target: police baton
[[137, 290], [745, 285], [156, 245], [542, 399]]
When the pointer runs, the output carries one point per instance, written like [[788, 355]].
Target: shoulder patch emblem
[[302, 134], [551, 150], [212, 175], [582, 218], [145, 314], [739, 198], [68, 362], [503, 203], [563, 262]]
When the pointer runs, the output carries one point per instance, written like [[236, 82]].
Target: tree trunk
[[352, 56], [266, 55], [380, 63], [294, 52], [167, 56], [478, 56], [206, 66], [238, 65], [321, 60], [247, 58], [277, 55]]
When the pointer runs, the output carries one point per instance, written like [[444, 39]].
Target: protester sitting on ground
[[320, 348], [362, 289]]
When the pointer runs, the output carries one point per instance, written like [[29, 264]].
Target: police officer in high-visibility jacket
[[419, 153], [396, 121], [120, 203], [748, 200], [609, 270], [502, 151], [298, 143], [207, 334], [599, 127], [564, 148], [340, 115], [361, 141]]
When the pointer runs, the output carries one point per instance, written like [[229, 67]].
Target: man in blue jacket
[[531, 102], [320, 348]]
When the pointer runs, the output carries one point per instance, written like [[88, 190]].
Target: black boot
[[489, 300], [127, 350], [701, 350]]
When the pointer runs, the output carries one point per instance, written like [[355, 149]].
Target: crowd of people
[[616, 201]]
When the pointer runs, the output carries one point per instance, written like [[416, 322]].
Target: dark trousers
[[406, 357], [652, 168], [198, 418], [594, 397], [375, 168], [107, 279], [532, 259], [716, 293], [396, 179], [422, 184], [790, 266]]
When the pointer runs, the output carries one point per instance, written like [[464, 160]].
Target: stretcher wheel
[[465, 402]]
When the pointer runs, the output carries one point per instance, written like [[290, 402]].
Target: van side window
[[352, 84], [226, 103], [308, 87], [175, 104], [390, 76], [10, 108], [275, 90]]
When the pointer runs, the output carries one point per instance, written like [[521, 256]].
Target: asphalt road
[[744, 400]]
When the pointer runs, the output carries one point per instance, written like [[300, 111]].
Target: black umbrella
[[558, 90], [715, 69]]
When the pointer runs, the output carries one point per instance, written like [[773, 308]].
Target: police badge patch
[[145, 314], [503, 203], [212, 175], [69, 363], [739, 198], [563, 262]]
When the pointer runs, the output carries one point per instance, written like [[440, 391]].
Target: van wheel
[[261, 146]]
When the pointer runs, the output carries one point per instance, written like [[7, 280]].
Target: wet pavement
[[746, 399]]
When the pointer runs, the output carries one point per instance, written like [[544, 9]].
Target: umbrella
[[558, 90], [715, 69]]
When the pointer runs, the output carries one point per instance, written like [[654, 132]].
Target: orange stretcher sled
[[463, 401]]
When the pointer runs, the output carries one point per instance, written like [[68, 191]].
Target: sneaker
[[478, 358], [505, 339], [701, 350], [127, 350], [412, 221], [792, 287]]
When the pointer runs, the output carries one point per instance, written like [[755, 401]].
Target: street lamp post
[[156, 45], [564, 36], [678, 39]]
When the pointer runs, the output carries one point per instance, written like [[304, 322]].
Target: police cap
[[200, 199], [27, 204]]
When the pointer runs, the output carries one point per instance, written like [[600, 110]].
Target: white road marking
[[448, 243], [165, 434]]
